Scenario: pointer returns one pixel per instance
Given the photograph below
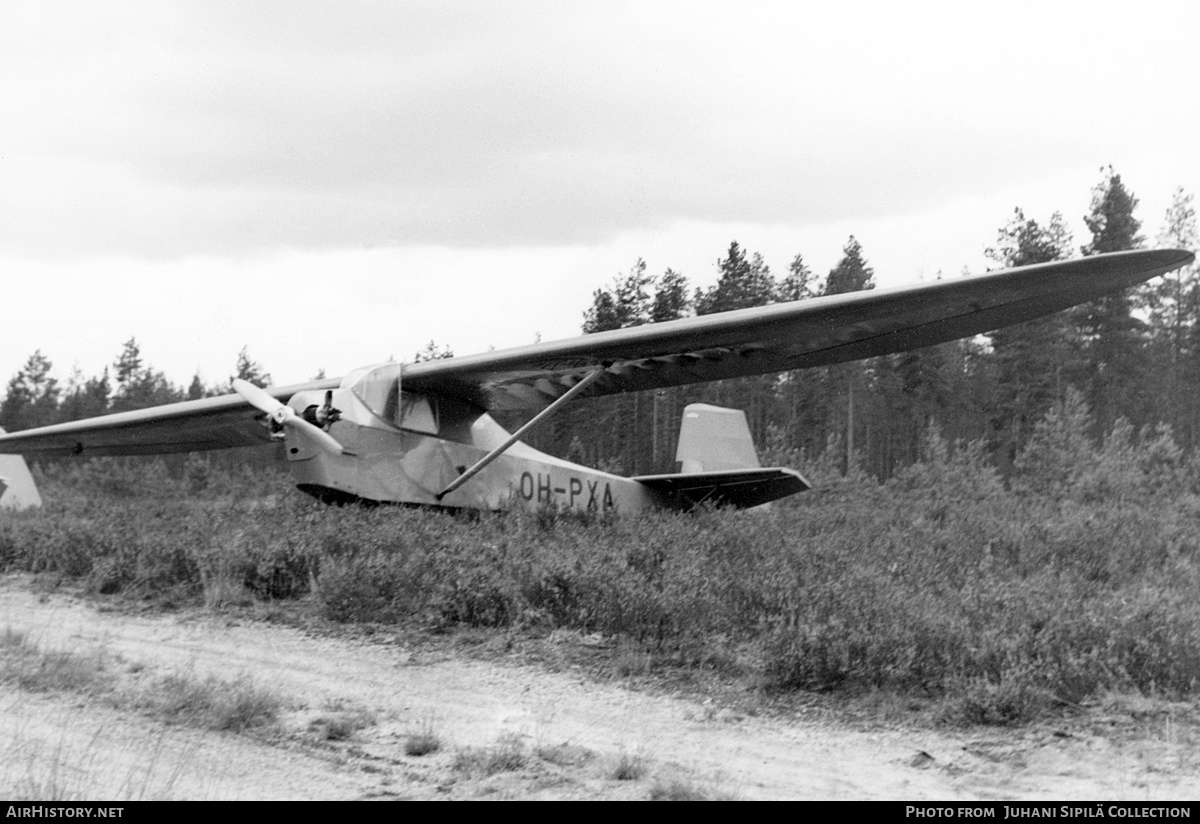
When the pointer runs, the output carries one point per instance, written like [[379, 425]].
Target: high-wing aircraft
[[420, 433]]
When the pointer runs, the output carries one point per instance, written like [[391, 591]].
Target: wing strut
[[516, 436]]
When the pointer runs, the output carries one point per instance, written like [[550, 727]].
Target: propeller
[[283, 415], [325, 414]]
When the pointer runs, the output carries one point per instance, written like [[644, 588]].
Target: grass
[[64, 774], [423, 740], [422, 743], [628, 768], [32, 670], [995, 600], [506, 755], [62, 671], [34, 771], [678, 789], [340, 723], [564, 755], [212, 703]]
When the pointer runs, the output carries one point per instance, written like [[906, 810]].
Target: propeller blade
[[284, 415], [323, 438], [258, 398]]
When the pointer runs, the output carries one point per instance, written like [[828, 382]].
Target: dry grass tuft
[[341, 722], [234, 706], [677, 789], [423, 740], [507, 755], [29, 669], [565, 755], [341, 726], [628, 768], [422, 743]]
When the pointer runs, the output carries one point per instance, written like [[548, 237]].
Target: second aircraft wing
[[786, 336]]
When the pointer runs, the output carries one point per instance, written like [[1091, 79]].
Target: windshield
[[378, 387], [379, 390]]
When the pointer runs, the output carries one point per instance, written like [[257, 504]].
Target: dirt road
[[570, 731]]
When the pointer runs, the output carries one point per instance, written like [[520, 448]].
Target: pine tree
[[1111, 220], [627, 303], [31, 398], [799, 283], [926, 388], [622, 427], [1032, 361], [602, 316], [85, 398], [666, 405], [670, 298], [849, 381], [1113, 338], [852, 274], [1173, 303], [741, 284], [128, 364], [139, 386], [196, 389], [252, 371], [794, 424], [761, 288], [632, 295]]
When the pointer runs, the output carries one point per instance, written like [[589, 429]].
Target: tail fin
[[712, 438], [17, 489]]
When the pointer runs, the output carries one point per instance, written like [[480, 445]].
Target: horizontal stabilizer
[[739, 488]]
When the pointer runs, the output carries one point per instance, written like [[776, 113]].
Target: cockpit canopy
[[378, 388]]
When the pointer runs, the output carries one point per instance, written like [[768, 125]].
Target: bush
[[1005, 603]]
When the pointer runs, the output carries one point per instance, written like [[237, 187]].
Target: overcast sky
[[333, 184]]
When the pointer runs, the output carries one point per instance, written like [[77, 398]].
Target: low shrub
[[1004, 602]]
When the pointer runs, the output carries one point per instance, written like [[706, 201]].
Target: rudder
[[713, 438], [17, 489]]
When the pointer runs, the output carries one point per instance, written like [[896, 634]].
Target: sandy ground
[[572, 730]]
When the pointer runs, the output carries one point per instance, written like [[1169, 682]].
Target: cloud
[[243, 129]]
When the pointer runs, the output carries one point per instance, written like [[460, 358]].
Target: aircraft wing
[[785, 336], [815, 332], [209, 423]]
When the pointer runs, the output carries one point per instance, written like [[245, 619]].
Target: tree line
[[1133, 357], [33, 397]]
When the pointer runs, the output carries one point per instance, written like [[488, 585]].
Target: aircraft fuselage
[[395, 464]]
